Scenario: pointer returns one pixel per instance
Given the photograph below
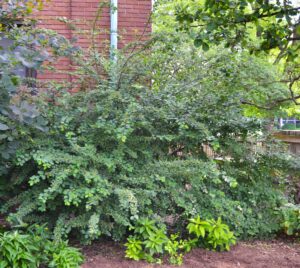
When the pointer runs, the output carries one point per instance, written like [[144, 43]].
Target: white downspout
[[113, 29]]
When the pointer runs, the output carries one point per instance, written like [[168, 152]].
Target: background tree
[[267, 28], [237, 22]]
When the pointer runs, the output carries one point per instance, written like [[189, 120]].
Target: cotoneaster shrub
[[130, 142], [189, 187]]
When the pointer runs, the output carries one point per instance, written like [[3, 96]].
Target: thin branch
[[253, 16], [132, 54], [293, 81], [273, 104], [256, 105]]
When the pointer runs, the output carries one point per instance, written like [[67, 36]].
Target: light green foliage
[[272, 24], [198, 227], [150, 242], [214, 233], [219, 235], [134, 249], [145, 228], [176, 245], [17, 250], [291, 219], [269, 29], [66, 257], [34, 248]]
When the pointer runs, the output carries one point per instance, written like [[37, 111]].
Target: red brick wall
[[133, 22]]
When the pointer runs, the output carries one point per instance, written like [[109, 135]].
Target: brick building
[[131, 22]]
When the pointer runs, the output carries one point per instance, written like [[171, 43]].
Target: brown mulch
[[274, 254]]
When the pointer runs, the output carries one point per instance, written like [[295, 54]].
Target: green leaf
[[205, 46], [198, 42], [3, 127]]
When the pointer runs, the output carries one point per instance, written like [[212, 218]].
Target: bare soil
[[274, 254]]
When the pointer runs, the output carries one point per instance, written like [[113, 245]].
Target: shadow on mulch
[[273, 254]]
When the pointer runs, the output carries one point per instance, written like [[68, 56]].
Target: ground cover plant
[[150, 242], [131, 143], [34, 248]]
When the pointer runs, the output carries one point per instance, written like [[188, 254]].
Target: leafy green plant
[[122, 148], [150, 242], [256, 25], [65, 256], [155, 242], [176, 247], [198, 227], [214, 233], [18, 250], [147, 242], [112, 155], [220, 237], [134, 249], [145, 228], [33, 248], [291, 219]]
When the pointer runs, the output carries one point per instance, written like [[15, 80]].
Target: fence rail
[[292, 138]]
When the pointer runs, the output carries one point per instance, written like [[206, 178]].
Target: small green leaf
[[205, 46], [3, 127], [198, 42]]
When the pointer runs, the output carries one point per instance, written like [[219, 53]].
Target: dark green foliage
[[245, 201], [131, 142], [28, 47], [122, 150]]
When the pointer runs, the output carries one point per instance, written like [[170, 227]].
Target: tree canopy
[[274, 24], [268, 29]]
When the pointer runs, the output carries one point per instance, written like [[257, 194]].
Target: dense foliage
[[150, 241], [270, 29], [272, 24], [35, 249], [125, 148], [291, 219], [167, 132]]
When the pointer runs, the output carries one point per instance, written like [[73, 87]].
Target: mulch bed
[[273, 254]]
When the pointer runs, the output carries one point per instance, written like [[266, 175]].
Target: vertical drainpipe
[[113, 29], [70, 36]]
